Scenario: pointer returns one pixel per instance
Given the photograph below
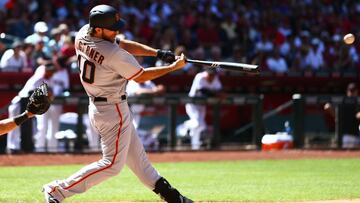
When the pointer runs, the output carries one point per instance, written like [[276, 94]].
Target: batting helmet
[[104, 16]]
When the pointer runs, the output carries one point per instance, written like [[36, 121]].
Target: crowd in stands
[[280, 36]]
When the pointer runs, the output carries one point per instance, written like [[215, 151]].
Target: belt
[[104, 99]]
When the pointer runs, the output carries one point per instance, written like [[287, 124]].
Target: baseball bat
[[242, 67]]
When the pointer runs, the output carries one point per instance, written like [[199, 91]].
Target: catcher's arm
[[10, 124]]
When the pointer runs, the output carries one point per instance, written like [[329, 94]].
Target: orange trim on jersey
[[114, 157], [53, 190], [136, 74]]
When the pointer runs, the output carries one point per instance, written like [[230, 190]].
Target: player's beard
[[108, 38]]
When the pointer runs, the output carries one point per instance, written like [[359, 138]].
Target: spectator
[[55, 43], [14, 59], [302, 44], [264, 45], [28, 50], [299, 63], [350, 113], [38, 56], [68, 48], [229, 27], [42, 74], [39, 35], [64, 32], [314, 58], [277, 63]]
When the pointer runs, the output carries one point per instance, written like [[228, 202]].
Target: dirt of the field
[[329, 201], [323, 201], [61, 159]]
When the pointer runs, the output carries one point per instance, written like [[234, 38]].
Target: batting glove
[[166, 55]]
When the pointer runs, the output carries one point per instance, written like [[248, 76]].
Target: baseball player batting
[[106, 64]]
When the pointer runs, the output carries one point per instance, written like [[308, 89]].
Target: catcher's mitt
[[39, 101]]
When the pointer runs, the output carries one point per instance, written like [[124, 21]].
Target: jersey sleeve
[[126, 65]]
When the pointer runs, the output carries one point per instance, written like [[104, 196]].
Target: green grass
[[264, 180]]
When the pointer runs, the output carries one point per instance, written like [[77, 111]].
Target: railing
[[172, 101], [299, 104]]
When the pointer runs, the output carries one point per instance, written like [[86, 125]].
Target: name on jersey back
[[90, 52]]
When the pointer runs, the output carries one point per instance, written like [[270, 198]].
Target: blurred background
[[299, 99]]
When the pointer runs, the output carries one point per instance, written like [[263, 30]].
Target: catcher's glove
[[39, 101]]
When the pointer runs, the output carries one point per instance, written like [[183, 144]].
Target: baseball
[[349, 38]]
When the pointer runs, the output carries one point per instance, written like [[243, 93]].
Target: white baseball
[[349, 38]]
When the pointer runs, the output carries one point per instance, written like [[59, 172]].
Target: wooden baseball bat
[[242, 67]]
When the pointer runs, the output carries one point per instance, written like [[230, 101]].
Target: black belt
[[104, 99]]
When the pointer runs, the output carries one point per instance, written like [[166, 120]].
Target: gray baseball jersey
[[105, 69]]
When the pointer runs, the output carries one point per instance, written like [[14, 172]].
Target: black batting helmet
[[104, 16]]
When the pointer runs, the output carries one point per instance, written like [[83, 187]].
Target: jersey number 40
[[88, 70]]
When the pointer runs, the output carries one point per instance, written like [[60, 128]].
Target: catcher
[[39, 103]]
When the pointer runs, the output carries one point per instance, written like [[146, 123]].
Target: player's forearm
[[10, 124], [137, 49], [7, 125], [155, 72]]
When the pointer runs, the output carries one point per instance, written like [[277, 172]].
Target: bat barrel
[[250, 68]]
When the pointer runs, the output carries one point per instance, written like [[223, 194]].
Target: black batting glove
[[166, 56]]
